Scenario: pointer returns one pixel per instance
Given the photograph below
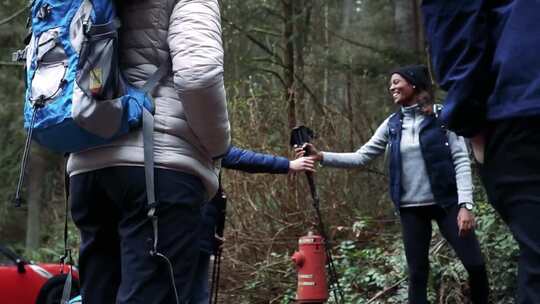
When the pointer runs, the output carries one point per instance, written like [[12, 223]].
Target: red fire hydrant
[[310, 261]]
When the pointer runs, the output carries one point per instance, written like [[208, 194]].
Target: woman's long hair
[[425, 99]]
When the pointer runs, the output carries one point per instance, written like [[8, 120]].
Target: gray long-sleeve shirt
[[415, 181]]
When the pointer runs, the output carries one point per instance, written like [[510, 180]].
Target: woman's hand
[[302, 164], [312, 152], [465, 221]]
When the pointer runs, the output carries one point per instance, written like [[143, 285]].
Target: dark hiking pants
[[200, 293], [416, 229], [511, 175], [109, 208]]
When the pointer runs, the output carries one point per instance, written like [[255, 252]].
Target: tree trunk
[[302, 17], [35, 177], [290, 93], [299, 43], [326, 46], [350, 110], [419, 28], [288, 59], [407, 25], [347, 10]]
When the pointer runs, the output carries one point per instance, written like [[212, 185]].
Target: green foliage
[[11, 89], [53, 244], [501, 252], [367, 270]]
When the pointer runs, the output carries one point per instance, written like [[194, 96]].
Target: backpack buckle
[[44, 12], [19, 56]]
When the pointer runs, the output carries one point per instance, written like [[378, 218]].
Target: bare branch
[[15, 15], [253, 39], [11, 64], [278, 76]]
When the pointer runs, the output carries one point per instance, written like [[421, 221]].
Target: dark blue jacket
[[437, 158], [243, 160], [485, 54]]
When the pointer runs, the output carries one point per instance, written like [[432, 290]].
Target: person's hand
[[302, 164], [465, 221], [312, 152]]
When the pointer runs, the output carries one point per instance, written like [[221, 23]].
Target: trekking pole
[[220, 201], [337, 291], [299, 136], [216, 271], [39, 103]]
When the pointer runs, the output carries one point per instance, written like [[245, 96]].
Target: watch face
[[467, 206]]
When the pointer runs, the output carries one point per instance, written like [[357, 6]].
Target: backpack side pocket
[[97, 101]]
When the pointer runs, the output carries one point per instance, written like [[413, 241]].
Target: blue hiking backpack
[[76, 97]]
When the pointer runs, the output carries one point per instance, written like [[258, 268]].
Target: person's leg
[[511, 174], [468, 251], [99, 259], [146, 278], [524, 225], [200, 290], [416, 230]]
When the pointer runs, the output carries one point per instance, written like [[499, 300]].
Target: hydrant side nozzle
[[298, 259]]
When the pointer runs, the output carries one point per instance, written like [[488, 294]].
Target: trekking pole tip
[[17, 201]]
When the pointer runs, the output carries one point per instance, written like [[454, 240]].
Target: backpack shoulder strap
[[148, 144], [158, 75]]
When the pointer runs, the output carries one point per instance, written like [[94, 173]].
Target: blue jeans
[[109, 207]]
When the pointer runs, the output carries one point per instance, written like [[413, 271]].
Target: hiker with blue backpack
[[213, 218], [429, 180], [485, 54], [135, 95]]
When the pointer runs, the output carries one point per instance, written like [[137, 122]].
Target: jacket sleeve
[[462, 165], [253, 162], [197, 61], [459, 42], [369, 151]]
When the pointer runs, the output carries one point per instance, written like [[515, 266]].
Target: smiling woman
[[402, 91], [430, 179], [410, 85]]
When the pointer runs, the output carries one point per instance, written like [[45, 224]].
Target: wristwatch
[[467, 206]]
